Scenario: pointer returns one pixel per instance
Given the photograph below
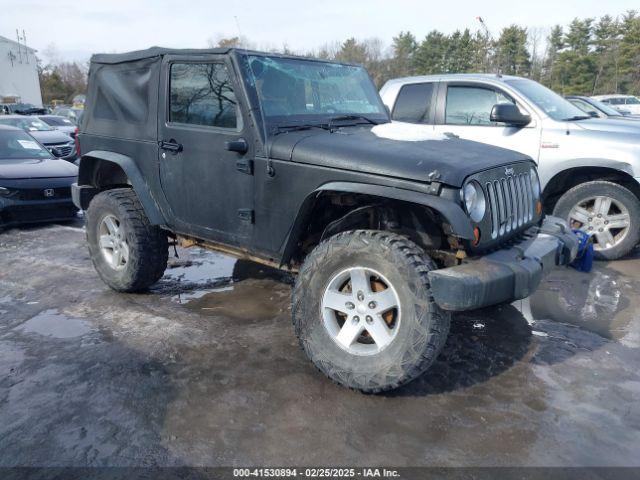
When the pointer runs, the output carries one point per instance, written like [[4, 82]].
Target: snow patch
[[407, 132]]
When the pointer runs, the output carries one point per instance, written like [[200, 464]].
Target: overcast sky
[[79, 28]]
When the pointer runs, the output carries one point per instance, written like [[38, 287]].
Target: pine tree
[[352, 51], [550, 71], [606, 42], [513, 58], [630, 54], [430, 55], [404, 48]]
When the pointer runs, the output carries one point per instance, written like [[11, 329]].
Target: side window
[[471, 105], [616, 101], [201, 94], [413, 103]]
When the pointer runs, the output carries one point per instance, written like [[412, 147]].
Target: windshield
[[57, 121], [603, 107], [294, 91], [16, 144], [28, 124], [548, 101], [22, 106]]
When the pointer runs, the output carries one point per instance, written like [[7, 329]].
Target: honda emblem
[[48, 192]]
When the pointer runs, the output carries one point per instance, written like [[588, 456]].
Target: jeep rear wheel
[[128, 253], [363, 312], [608, 212]]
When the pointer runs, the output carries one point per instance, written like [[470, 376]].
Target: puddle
[[603, 301], [199, 266], [251, 299], [217, 284], [184, 298], [247, 291], [195, 273], [51, 323]]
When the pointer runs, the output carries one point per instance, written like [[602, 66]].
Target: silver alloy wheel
[[113, 243], [604, 218], [361, 311]]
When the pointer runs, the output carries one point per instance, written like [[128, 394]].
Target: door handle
[[171, 145], [240, 145]]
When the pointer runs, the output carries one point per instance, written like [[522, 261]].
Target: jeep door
[[464, 109], [208, 190]]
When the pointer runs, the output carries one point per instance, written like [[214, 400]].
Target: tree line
[[60, 80], [587, 57]]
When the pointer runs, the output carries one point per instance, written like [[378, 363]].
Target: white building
[[18, 73]]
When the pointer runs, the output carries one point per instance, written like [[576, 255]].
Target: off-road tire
[[619, 193], [423, 327], [148, 244]]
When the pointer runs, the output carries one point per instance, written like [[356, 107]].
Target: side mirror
[[239, 146], [510, 114], [593, 113]]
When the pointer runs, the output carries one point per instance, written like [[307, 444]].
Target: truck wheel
[[607, 211], [363, 313], [128, 253]]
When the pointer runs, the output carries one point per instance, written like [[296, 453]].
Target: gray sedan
[[60, 123]]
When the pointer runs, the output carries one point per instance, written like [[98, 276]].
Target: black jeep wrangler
[[294, 163]]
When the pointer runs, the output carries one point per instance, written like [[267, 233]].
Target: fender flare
[[547, 174], [450, 211], [131, 170]]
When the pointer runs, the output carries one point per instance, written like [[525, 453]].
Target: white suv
[[589, 167], [622, 103]]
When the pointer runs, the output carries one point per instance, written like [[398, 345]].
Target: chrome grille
[[511, 203], [60, 149], [39, 193]]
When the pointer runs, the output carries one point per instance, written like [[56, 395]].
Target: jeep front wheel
[[128, 253], [363, 312]]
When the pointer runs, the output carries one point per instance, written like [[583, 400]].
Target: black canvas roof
[[156, 52], [112, 58]]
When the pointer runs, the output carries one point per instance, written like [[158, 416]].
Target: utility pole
[[22, 42], [487, 37]]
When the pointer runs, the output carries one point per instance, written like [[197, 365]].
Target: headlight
[[535, 183], [5, 192], [474, 201]]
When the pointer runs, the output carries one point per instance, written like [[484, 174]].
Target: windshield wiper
[[576, 118], [341, 118], [278, 129]]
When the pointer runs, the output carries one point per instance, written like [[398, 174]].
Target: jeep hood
[[450, 159]]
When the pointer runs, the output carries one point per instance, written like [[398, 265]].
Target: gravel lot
[[205, 370]]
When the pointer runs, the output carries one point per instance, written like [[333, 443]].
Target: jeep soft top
[[293, 162]]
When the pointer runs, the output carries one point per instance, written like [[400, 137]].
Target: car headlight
[[535, 183], [474, 201], [6, 192]]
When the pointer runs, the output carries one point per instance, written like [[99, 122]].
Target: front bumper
[[22, 212], [508, 274], [36, 200]]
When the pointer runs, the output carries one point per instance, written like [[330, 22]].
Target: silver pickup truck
[[589, 168]]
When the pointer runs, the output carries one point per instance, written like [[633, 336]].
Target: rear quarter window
[[413, 103]]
